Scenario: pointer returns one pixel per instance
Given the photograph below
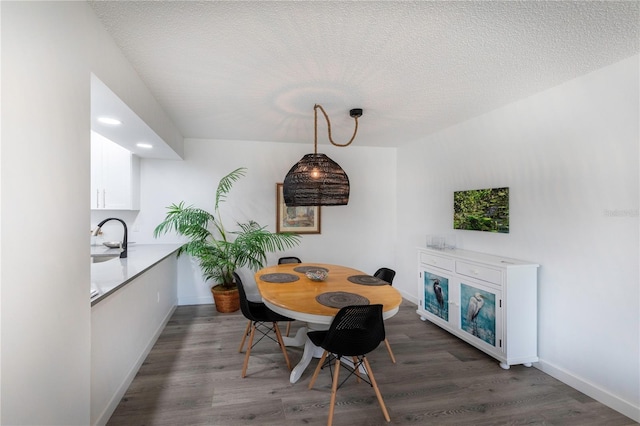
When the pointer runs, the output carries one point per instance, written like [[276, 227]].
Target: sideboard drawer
[[437, 261], [479, 272]]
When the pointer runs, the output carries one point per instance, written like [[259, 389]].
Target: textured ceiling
[[254, 70]]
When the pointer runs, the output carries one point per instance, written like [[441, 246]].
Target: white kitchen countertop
[[110, 275]]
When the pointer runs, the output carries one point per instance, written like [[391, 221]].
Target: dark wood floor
[[192, 377]]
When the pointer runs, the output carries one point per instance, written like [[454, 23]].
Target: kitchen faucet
[[123, 253]]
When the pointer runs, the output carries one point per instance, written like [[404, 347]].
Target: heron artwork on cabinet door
[[437, 290], [475, 304], [436, 295], [478, 312]]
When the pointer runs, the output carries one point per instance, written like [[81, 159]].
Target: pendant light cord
[[315, 122]]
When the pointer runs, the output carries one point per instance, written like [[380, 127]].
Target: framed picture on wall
[[482, 210], [299, 220]]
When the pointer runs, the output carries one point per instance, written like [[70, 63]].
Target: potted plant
[[220, 252]]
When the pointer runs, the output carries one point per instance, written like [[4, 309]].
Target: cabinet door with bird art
[[480, 313], [435, 294]]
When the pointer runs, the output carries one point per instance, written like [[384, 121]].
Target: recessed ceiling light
[[110, 121], [144, 145]]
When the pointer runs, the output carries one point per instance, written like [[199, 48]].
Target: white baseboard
[[122, 389], [410, 297], [601, 395]]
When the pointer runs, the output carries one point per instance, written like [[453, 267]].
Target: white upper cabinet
[[115, 176]]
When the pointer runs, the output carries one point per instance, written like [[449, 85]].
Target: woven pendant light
[[317, 180]]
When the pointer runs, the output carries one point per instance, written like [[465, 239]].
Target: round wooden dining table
[[286, 290]]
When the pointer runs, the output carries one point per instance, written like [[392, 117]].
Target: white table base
[[310, 350]]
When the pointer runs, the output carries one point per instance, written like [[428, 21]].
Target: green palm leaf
[[225, 184]]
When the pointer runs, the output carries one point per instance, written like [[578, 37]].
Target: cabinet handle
[[104, 198], [97, 198]]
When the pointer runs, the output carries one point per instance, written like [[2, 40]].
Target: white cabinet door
[[480, 315], [436, 301], [114, 176], [96, 172]]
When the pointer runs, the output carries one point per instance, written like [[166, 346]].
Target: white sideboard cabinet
[[488, 301]]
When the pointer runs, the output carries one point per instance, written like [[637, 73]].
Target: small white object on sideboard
[[488, 301]]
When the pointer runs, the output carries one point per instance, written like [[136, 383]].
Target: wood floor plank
[[192, 377]]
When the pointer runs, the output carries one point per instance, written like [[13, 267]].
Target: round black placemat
[[279, 278], [366, 280], [340, 299], [303, 269]]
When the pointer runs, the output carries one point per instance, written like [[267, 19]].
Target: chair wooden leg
[[246, 357], [281, 342], [318, 368], [356, 369], [375, 388], [393, 359], [288, 328], [244, 336], [334, 391]]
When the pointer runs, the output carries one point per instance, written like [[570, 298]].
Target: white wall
[[360, 234], [570, 158], [49, 50], [45, 310]]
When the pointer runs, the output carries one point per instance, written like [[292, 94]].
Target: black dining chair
[[354, 332], [259, 316], [289, 259], [283, 260], [386, 274]]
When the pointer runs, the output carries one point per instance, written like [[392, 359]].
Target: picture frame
[[482, 210], [298, 220]]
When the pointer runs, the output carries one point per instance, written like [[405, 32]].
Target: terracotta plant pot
[[226, 300]]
